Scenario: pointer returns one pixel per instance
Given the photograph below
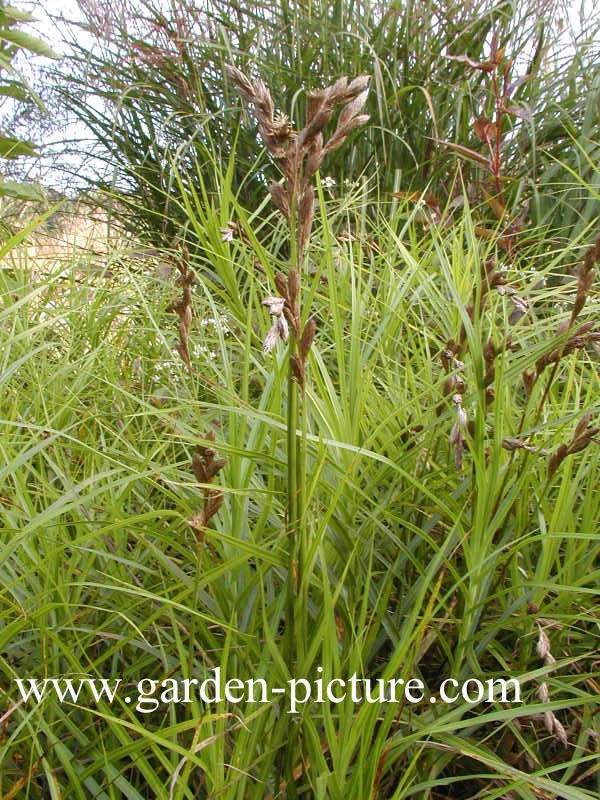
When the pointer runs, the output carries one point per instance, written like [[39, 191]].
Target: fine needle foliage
[[446, 77], [262, 481]]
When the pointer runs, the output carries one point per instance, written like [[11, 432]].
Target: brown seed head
[[293, 285], [308, 335], [282, 286], [281, 199]]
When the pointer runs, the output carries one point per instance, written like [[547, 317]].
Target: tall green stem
[[292, 510], [294, 479]]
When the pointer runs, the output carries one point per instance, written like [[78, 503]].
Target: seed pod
[[305, 217], [293, 286], [308, 335], [298, 370], [282, 287], [557, 458], [199, 468], [280, 198]]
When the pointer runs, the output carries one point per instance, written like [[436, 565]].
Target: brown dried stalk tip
[[552, 723], [282, 286], [454, 384], [206, 467], [298, 370], [293, 285], [308, 335], [299, 154], [529, 377], [306, 206], [275, 130], [585, 278], [281, 200], [183, 306], [584, 335], [511, 444], [583, 436]]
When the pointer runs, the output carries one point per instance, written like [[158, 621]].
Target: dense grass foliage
[[148, 80], [440, 519], [420, 566]]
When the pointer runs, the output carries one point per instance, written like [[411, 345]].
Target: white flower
[[279, 328], [228, 232], [271, 338], [275, 305]]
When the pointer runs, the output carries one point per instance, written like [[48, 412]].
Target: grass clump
[[445, 539]]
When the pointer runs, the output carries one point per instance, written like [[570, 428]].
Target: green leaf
[[13, 148], [22, 191], [10, 14], [15, 90], [28, 42]]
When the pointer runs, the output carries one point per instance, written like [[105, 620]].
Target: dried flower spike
[[206, 467], [299, 154], [183, 306]]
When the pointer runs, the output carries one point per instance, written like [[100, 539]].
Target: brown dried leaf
[[484, 129], [467, 152]]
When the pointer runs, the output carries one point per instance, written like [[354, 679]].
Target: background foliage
[[159, 72]]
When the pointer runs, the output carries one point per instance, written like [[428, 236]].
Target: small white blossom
[[279, 328], [228, 232], [271, 338], [275, 305]]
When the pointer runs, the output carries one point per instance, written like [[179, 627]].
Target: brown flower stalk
[[206, 467], [183, 307], [299, 154], [584, 434], [579, 337], [552, 723]]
